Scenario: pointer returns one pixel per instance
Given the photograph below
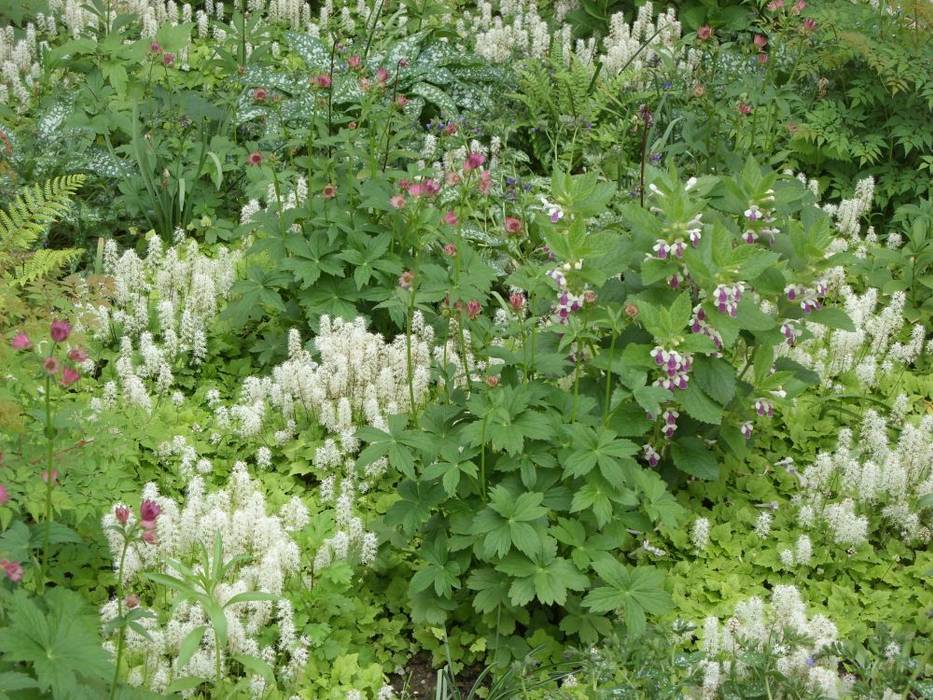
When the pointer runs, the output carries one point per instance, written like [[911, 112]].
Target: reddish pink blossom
[[254, 158], [351, 125], [450, 250], [417, 189], [150, 537], [397, 201], [745, 108], [155, 48], [382, 75], [485, 181], [44, 475], [517, 301], [51, 365], [492, 381], [60, 330], [4, 495], [798, 7], [122, 514], [13, 570], [762, 58], [405, 279], [705, 32], [513, 225], [260, 94], [451, 128], [775, 5], [168, 58], [77, 355], [21, 341], [473, 309], [329, 191], [401, 101], [355, 62], [809, 24], [452, 179], [474, 160], [450, 218], [70, 376], [322, 81], [761, 41], [149, 510]]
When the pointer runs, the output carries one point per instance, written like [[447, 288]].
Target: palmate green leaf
[[544, 576], [492, 589], [413, 509], [507, 522], [60, 642], [633, 590], [399, 445]]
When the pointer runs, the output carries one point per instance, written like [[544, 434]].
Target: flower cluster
[[799, 642], [265, 556], [843, 489], [674, 367]]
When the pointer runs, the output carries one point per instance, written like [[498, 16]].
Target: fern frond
[[44, 262], [32, 211]]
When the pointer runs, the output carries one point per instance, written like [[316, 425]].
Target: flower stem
[[116, 670], [48, 477]]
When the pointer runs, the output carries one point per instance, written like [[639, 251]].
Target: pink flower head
[[13, 570], [131, 601], [70, 376], [149, 536], [355, 62], [745, 108], [450, 250], [492, 381], [450, 218], [451, 128], [168, 58], [762, 58], [485, 180], [77, 355], [260, 94], [60, 330], [798, 7], [122, 514], [513, 225], [705, 33], [155, 48], [44, 475], [4, 495], [51, 365], [473, 308], [809, 24], [254, 159], [397, 201], [382, 75], [322, 81], [149, 510], [405, 279], [517, 301], [452, 179], [364, 84], [761, 41], [21, 341], [417, 189], [775, 5], [473, 161], [401, 100], [329, 191]]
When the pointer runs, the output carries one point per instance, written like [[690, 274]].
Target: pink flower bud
[[13, 570], [149, 510], [473, 161], [122, 514], [397, 201], [70, 376], [60, 330], [473, 309], [329, 191], [450, 218], [705, 32], [131, 601], [4, 495], [51, 365], [21, 342], [513, 225]]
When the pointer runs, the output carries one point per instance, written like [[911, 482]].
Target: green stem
[[612, 348], [48, 475], [120, 591], [482, 459]]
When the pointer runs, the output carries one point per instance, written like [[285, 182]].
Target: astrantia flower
[[21, 342], [260, 94], [12, 569], [355, 62], [329, 191], [168, 58], [760, 41], [121, 513], [254, 158], [473, 309], [322, 81], [149, 511], [513, 225], [450, 250], [397, 201], [4, 495], [69, 376], [51, 365], [473, 161], [77, 355], [705, 32], [405, 279], [450, 218], [60, 330], [744, 108]]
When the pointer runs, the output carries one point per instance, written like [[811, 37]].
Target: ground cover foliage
[[385, 349]]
